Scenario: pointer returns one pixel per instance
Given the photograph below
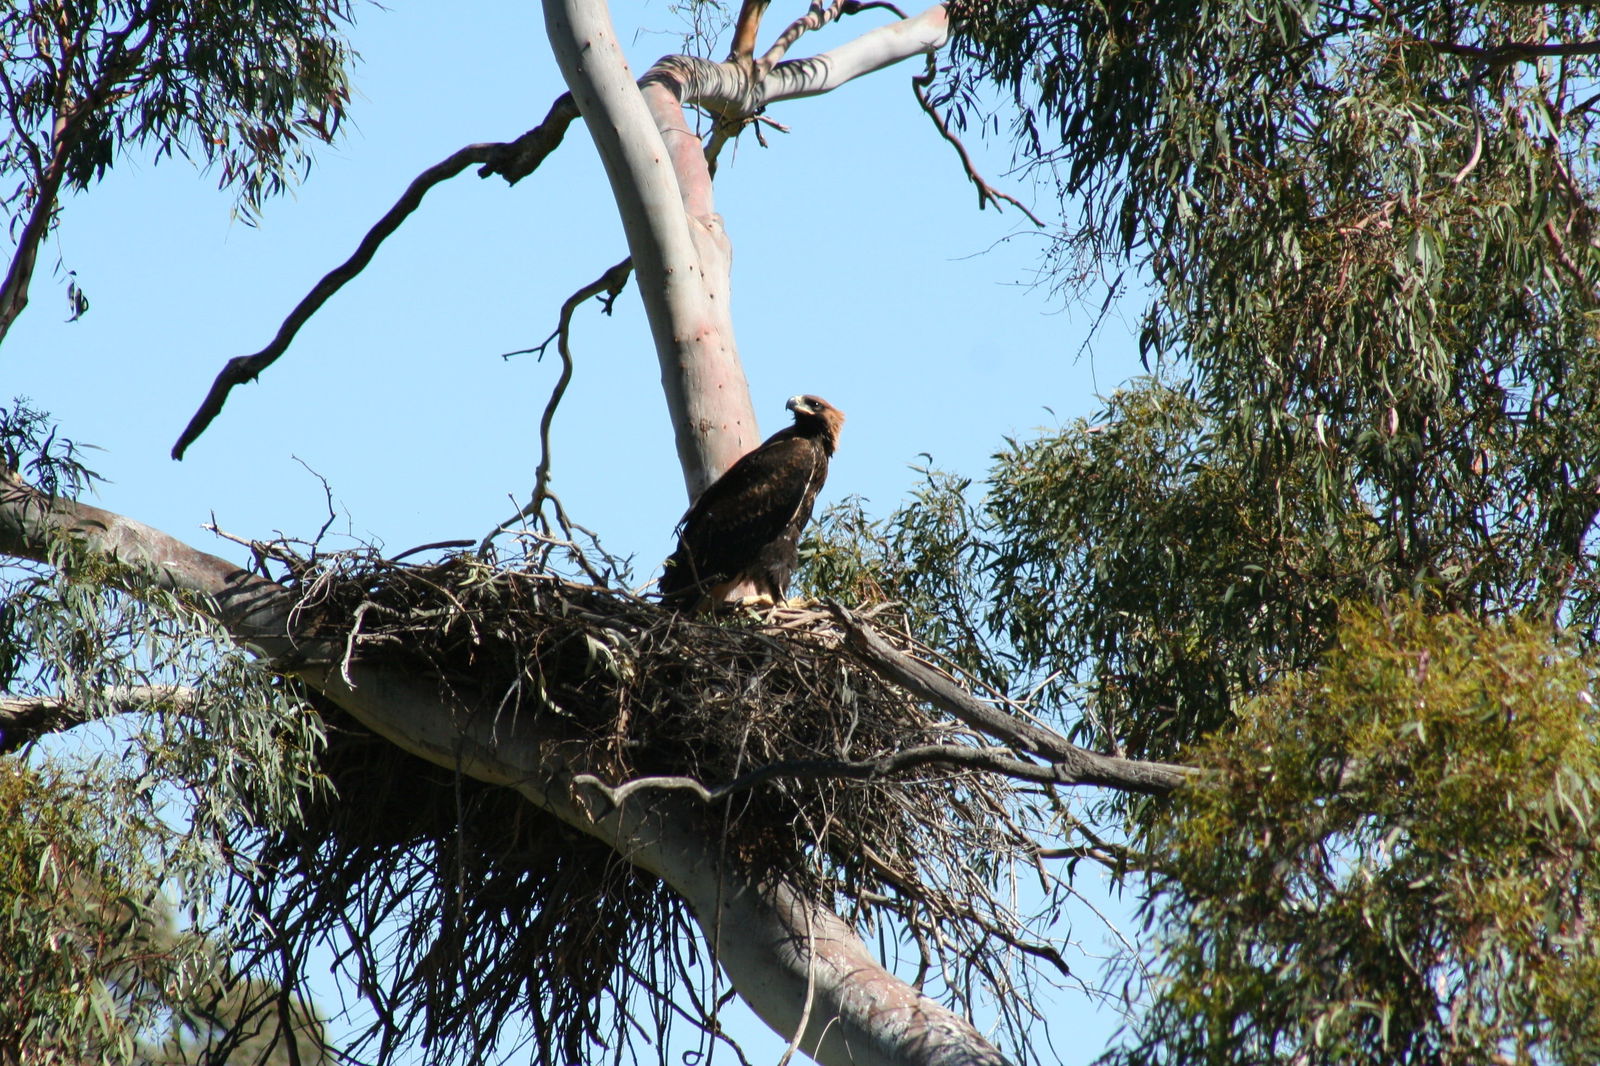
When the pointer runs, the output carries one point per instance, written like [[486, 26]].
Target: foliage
[[84, 82], [1367, 229], [96, 970], [93, 964], [1121, 565], [1390, 860]]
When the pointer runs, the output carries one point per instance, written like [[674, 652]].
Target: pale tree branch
[[862, 1015], [661, 185], [746, 28], [817, 17], [24, 719], [513, 160], [883, 46], [1141, 777]]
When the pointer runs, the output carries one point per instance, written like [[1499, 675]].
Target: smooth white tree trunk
[[791, 959]]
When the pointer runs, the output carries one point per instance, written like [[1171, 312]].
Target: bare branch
[[921, 34], [513, 160], [608, 287], [951, 756], [987, 194], [27, 718], [1077, 765]]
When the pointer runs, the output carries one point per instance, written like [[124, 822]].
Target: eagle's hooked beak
[[798, 405]]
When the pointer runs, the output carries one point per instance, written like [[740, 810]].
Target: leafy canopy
[[1368, 231], [85, 81], [1390, 860]]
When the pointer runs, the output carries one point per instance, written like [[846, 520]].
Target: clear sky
[[863, 273]]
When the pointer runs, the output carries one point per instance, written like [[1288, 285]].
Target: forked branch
[[513, 160], [987, 194], [608, 287]]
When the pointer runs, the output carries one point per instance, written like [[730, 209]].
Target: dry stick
[[514, 160], [608, 286], [948, 756], [987, 194], [1073, 764]]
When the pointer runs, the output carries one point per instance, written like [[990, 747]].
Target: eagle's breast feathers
[[741, 537]]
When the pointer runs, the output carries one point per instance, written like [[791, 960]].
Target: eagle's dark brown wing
[[747, 523]]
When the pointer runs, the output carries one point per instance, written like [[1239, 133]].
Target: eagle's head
[[815, 416]]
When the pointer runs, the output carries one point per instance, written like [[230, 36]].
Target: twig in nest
[[513, 160], [607, 287], [987, 194]]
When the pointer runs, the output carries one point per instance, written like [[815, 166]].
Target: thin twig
[[987, 194], [607, 287]]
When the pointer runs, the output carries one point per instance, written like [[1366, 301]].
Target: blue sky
[[863, 272]]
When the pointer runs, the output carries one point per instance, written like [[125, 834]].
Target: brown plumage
[[741, 537]]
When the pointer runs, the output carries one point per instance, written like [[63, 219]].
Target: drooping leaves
[[1390, 860]]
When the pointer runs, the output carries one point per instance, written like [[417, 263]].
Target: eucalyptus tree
[[1366, 232]]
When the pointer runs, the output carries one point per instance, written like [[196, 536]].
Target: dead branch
[[1080, 765], [513, 160], [987, 194], [1512, 51], [951, 756], [608, 287]]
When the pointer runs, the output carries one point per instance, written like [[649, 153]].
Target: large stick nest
[[468, 907]]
